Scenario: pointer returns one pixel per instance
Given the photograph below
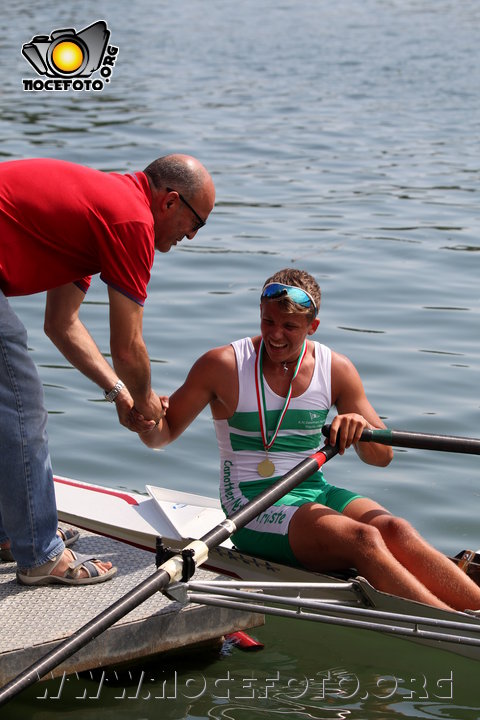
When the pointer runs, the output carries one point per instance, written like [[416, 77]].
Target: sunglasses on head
[[296, 294]]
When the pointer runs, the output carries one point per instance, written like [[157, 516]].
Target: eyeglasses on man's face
[[201, 222]]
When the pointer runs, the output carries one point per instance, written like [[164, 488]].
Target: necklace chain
[[286, 363], [260, 392]]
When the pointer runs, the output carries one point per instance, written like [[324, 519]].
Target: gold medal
[[266, 468]]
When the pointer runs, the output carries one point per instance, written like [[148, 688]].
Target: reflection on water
[[462, 248], [370, 683]]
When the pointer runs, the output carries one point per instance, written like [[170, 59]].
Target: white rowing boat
[[139, 519]]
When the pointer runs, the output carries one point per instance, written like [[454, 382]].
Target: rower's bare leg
[[324, 540], [439, 574]]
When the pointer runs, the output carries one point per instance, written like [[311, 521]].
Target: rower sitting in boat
[[270, 396]]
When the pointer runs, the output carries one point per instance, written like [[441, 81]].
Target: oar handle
[[420, 441]]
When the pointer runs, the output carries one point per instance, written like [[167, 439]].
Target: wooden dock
[[36, 619]]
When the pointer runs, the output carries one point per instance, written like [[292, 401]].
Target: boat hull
[[176, 517]]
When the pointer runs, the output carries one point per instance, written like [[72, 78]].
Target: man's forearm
[[133, 367], [78, 347]]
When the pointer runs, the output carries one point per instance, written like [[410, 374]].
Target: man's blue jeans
[[28, 514]]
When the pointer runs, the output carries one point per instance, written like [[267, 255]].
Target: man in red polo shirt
[[61, 223]]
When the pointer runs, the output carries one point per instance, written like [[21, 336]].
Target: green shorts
[[267, 535]]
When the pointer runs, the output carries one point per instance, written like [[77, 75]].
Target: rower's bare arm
[[355, 413], [209, 382]]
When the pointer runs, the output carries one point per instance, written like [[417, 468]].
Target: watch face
[[112, 394]]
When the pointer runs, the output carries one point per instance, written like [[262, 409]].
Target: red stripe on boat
[[123, 496]]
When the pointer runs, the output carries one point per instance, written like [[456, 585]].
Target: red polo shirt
[[61, 222]]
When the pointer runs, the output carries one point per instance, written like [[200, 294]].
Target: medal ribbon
[[262, 405]]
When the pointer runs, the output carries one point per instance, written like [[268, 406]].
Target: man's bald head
[[182, 172]]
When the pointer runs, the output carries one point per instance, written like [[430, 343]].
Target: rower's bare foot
[[68, 557]]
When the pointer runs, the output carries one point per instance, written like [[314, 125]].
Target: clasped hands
[[139, 422]]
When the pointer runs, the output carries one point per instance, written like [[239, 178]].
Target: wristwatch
[[112, 395]]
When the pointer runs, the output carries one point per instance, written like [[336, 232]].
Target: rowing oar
[[420, 441], [169, 571]]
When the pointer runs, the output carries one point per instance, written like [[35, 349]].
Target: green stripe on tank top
[[305, 427], [283, 443], [293, 420]]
